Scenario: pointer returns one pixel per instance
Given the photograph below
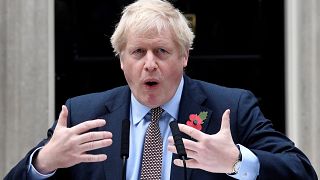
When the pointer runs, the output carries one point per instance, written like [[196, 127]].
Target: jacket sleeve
[[277, 154]]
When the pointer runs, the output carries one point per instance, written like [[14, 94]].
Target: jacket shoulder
[[215, 91], [100, 96], [94, 105]]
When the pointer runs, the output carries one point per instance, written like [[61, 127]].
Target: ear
[[121, 64], [185, 58], [121, 61]]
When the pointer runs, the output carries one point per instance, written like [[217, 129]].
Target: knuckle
[[91, 136], [90, 158], [91, 145], [206, 140]]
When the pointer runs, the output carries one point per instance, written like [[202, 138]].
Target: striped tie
[[152, 152]]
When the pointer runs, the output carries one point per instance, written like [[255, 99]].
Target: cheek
[[126, 71], [174, 73], [131, 71], [124, 64]]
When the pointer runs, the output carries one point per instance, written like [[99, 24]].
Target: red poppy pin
[[196, 121]]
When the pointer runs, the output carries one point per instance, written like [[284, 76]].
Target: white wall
[[303, 76], [26, 77]]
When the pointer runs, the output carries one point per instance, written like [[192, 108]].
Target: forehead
[[151, 37]]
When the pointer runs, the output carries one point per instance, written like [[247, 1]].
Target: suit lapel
[[117, 110], [192, 101]]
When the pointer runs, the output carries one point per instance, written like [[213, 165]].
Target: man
[[152, 41]]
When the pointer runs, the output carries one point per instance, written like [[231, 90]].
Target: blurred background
[[56, 49]]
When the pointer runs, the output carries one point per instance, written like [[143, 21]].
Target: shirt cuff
[[249, 167], [32, 171]]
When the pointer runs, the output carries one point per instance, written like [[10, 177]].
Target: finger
[[190, 153], [225, 123], [93, 158], [95, 145], [87, 125], [170, 140], [192, 132], [190, 163], [188, 144], [94, 136], [192, 145], [172, 149], [62, 121]]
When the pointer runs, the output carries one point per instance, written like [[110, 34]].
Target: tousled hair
[[144, 16]]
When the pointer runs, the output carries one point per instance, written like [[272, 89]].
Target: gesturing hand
[[68, 146], [213, 153]]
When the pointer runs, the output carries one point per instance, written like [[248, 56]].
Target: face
[[153, 66]]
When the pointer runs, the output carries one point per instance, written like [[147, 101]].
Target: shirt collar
[[139, 110]]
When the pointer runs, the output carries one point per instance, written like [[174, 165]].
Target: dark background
[[238, 44]]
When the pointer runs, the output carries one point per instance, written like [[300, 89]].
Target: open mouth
[[151, 83]]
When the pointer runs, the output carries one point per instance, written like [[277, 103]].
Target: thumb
[[225, 123], [62, 121]]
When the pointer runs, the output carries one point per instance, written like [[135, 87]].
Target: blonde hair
[[143, 16]]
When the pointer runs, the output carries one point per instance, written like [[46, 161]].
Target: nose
[[150, 62]]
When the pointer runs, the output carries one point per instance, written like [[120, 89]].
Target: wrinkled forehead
[[151, 38], [150, 27], [150, 33]]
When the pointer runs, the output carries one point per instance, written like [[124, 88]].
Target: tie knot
[[156, 114]]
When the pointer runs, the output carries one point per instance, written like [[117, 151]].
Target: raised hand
[[68, 146], [214, 153]]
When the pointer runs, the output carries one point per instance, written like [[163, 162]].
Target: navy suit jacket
[[279, 158]]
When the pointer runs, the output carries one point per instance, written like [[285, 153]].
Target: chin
[[152, 103], [154, 100]]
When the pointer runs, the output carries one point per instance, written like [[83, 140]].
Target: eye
[[138, 53], [162, 51]]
